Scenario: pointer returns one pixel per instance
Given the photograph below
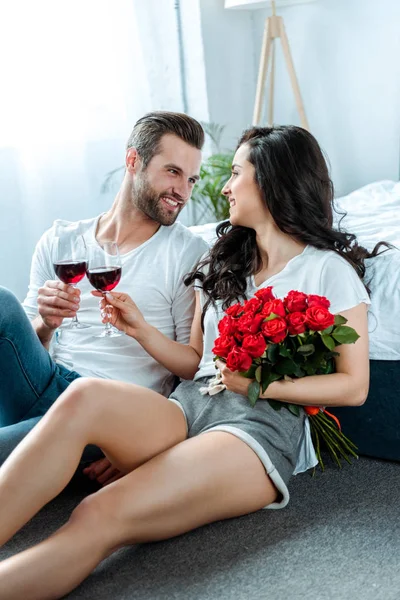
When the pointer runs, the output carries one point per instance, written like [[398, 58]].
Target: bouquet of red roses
[[267, 339]]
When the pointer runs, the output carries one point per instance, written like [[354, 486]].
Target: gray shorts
[[273, 435]]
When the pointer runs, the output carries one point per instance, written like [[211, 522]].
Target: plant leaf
[[253, 393], [265, 376], [275, 404], [250, 373], [272, 352], [306, 350], [330, 367], [339, 320], [298, 371], [275, 377], [285, 367], [271, 317], [284, 350], [294, 409], [345, 335], [328, 341], [326, 331], [258, 374]]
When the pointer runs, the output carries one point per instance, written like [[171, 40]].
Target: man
[[162, 165]]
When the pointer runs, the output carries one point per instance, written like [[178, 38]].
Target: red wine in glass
[[70, 263], [104, 269], [104, 279], [69, 271]]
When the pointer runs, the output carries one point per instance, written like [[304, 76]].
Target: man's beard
[[149, 202]]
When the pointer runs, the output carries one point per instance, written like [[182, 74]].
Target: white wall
[[230, 66], [347, 58], [71, 105]]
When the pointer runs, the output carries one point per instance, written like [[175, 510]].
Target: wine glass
[[104, 272], [70, 263]]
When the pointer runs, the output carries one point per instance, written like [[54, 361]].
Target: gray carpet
[[339, 539]]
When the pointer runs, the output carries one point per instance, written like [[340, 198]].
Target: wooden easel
[[274, 28]]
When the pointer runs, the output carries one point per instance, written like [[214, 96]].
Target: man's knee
[[7, 296], [10, 306], [12, 435], [12, 314]]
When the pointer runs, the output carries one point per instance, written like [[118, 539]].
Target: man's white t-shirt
[[152, 275], [321, 272]]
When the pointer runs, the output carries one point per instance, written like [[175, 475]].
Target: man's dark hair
[[149, 130]]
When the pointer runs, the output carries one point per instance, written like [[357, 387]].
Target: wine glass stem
[[75, 318], [107, 307]]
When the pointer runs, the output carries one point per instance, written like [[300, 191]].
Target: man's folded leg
[[11, 436], [30, 381]]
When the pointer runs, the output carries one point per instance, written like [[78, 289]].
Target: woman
[[280, 233]]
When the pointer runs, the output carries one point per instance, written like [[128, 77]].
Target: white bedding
[[373, 214]]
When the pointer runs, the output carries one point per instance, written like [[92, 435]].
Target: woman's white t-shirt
[[314, 271]]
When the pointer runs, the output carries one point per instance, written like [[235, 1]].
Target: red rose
[[275, 329], [319, 318], [223, 345], [265, 294], [314, 300], [254, 344], [296, 301], [273, 306], [250, 323], [237, 360], [227, 325], [296, 323], [252, 305], [234, 310]]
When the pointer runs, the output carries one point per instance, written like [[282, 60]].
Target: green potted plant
[[214, 173]]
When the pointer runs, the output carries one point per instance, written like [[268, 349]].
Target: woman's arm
[[347, 387], [181, 359]]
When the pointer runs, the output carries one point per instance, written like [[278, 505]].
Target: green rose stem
[[332, 434], [330, 443], [343, 440], [316, 442], [335, 441]]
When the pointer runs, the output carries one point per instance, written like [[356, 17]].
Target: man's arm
[[43, 332]]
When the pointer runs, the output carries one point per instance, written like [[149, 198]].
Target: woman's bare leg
[[211, 477], [130, 423]]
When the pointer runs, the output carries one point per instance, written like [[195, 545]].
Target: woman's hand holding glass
[[120, 310], [104, 270]]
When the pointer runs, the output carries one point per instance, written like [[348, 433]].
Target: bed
[[373, 214]]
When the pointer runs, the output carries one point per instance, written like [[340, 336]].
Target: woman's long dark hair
[[293, 177]]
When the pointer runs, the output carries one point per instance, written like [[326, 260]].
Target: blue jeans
[[30, 381]]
